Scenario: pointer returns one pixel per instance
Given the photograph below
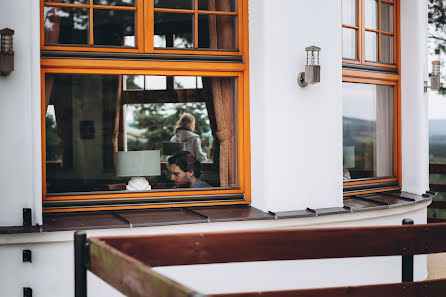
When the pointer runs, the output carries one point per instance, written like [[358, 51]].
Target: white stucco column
[[296, 133], [414, 102]]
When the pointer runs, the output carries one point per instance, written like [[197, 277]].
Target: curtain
[[384, 131], [112, 92], [221, 37], [51, 34]]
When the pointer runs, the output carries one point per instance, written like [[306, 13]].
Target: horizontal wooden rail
[[438, 187], [437, 168], [223, 247], [432, 288], [126, 262]]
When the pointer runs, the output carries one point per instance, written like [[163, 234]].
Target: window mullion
[[91, 39], [361, 31], [196, 24]]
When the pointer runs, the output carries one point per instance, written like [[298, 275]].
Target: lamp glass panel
[[386, 17], [114, 27], [218, 37], [66, 25], [218, 5], [387, 49], [90, 117], [349, 12], [368, 131], [174, 30], [371, 46], [371, 14], [349, 43]]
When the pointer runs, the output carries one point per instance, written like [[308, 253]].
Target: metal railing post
[[80, 264], [407, 263]]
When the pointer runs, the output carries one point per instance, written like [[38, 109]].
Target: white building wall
[[414, 102], [20, 157], [295, 132]]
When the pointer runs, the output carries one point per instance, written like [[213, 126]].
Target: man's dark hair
[[186, 161]]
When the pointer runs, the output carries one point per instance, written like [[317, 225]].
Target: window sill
[[193, 215]]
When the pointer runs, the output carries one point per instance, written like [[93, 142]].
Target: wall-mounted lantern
[[6, 51], [312, 74], [435, 77]]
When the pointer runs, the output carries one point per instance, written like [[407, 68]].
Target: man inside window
[[185, 171]]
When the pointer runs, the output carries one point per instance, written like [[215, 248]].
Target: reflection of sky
[[359, 101]]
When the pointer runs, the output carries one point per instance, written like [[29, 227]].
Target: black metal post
[[27, 220], [407, 269], [80, 264]]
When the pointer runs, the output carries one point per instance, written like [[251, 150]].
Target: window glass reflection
[[173, 30], [66, 25], [217, 5], [92, 117], [114, 27], [349, 43], [115, 2], [387, 49], [177, 4], [367, 130], [68, 1], [349, 12], [371, 14], [371, 46], [387, 17], [216, 32]]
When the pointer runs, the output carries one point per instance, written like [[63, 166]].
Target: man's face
[[182, 179]]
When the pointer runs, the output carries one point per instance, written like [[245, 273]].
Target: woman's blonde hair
[[186, 122]]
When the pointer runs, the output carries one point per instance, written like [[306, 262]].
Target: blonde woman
[[184, 133]]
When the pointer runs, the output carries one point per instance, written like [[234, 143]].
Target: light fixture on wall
[[312, 74], [138, 164], [435, 77], [6, 51]]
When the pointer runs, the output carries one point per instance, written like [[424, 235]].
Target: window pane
[[66, 25], [133, 83], [92, 117], [371, 14], [185, 82], [387, 49], [69, 1], [387, 17], [174, 30], [349, 44], [156, 83], [114, 27], [217, 5], [216, 32], [349, 12], [115, 2], [371, 46], [180, 4], [367, 130]]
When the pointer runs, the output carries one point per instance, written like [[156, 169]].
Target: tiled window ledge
[[192, 215]]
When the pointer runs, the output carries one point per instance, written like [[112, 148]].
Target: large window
[[369, 32], [371, 103], [111, 100]]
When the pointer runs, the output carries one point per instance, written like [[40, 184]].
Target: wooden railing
[[126, 262], [437, 168]]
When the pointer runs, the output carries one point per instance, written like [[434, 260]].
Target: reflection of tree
[[159, 122]]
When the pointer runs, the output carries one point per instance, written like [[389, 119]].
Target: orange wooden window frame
[[375, 78], [139, 32], [117, 67], [360, 35], [145, 29]]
